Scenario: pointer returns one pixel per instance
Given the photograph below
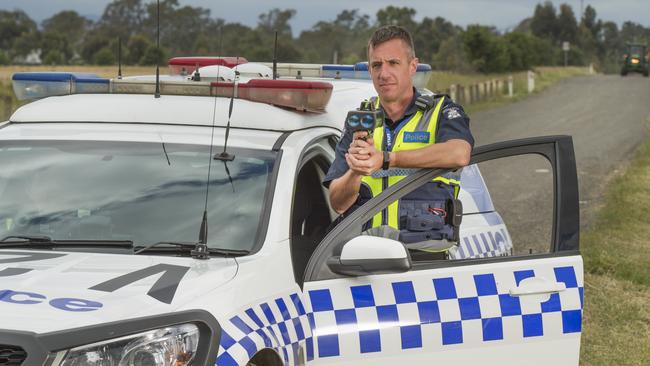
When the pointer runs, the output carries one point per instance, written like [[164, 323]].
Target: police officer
[[418, 132]]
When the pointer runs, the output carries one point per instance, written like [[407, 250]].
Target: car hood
[[44, 291]]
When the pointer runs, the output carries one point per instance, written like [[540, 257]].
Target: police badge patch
[[452, 113]]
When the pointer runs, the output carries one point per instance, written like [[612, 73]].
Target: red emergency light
[[187, 65], [310, 96]]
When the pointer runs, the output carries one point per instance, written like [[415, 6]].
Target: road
[[607, 115]]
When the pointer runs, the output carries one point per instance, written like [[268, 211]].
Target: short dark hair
[[390, 32]]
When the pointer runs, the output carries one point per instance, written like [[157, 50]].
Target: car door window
[[310, 213]]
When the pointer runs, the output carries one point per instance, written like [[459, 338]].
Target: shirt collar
[[410, 110]]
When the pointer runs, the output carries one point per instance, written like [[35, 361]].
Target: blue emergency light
[[35, 85], [337, 71], [359, 71]]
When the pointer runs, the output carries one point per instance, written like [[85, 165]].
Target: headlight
[[170, 346]]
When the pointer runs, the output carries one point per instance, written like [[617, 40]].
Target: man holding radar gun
[[393, 135]]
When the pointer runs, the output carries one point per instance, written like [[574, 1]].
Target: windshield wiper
[[43, 240], [189, 247], [28, 238]]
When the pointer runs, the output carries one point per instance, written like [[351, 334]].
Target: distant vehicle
[[635, 60]]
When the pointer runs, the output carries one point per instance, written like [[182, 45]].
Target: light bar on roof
[[302, 95], [358, 71], [190, 88], [309, 96], [187, 65], [35, 85]]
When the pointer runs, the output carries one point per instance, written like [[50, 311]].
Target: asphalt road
[[607, 115]]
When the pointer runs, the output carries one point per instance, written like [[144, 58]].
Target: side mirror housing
[[364, 255]]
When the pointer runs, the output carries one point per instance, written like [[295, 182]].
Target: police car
[[192, 229]]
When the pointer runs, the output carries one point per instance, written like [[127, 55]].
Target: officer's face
[[391, 69]]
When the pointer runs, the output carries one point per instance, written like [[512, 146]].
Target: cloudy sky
[[503, 14]]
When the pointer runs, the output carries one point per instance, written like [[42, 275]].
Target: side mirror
[[364, 255]]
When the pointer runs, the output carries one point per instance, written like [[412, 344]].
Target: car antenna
[[119, 57], [157, 93], [225, 156], [275, 56], [201, 250]]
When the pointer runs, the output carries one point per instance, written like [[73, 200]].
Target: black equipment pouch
[[421, 220], [424, 222]]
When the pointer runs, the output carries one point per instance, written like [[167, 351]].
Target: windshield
[[636, 50], [143, 192]]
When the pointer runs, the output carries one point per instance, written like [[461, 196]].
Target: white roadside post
[[531, 81], [510, 86], [565, 47]]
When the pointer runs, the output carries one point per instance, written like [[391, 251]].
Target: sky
[[504, 14]]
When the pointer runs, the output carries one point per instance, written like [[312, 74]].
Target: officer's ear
[[413, 65]]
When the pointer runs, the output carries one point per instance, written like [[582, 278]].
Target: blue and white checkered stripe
[[493, 242], [436, 313], [280, 324]]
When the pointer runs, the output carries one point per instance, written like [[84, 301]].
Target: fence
[[487, 90]]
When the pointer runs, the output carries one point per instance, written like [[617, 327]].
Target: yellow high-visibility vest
[[418, 132]]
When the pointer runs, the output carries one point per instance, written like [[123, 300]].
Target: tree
[[567, 26], [430, 34], [486, 51], [276, 20], [344, 37], [4, 59], [136, 48], [544, 21], [590, 22], [122, 18], [180, 27], [68, 24], [397, 16], [104, 57], [56, 44], [54, 57], [451, 56], [25, 44], [14, 24], [154, 55]]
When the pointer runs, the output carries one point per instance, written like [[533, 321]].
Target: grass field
[[616, 253]]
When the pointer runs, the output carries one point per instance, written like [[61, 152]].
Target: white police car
[[104, 191]]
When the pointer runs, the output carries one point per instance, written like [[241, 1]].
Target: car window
[[504, 208], [521, 189], [310, 212], [144, 192]]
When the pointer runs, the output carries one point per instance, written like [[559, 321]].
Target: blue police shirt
[[453, 123]]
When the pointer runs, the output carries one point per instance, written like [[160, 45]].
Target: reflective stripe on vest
[[421, 126]]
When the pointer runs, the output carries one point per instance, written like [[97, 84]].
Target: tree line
[[69, 38]]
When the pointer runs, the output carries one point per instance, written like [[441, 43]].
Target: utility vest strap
[[392, 172]]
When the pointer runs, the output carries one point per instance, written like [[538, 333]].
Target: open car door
[[370, 302]]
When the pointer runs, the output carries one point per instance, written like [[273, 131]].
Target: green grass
[[616, 252]]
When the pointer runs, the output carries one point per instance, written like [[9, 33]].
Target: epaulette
[[428, 101]]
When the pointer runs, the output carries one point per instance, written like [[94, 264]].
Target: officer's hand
[[367, 165], [362, 149], [359, 135]]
